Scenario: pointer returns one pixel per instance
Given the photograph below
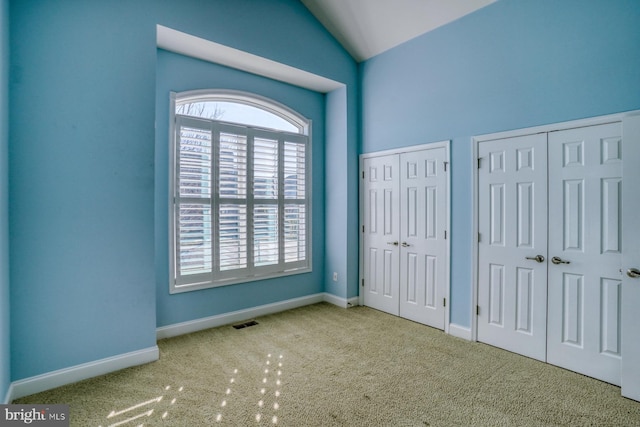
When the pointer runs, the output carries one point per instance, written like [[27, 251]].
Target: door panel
[[512, 290], [585, 229], [423, 247], [524, 293], [381, 233]]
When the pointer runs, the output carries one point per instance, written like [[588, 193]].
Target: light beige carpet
[[325, 366]]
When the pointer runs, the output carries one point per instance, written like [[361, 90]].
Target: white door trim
[[440, 144]]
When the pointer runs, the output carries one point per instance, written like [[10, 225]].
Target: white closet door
[[631, 260], [381, 233], [512, 252], [585, 247], [423, 246]]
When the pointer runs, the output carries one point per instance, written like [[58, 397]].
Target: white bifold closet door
[[405, 252], [381, 233], [550, 252], [512, 251], [585, 246]]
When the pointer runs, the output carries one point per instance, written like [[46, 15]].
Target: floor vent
[[245, 324]]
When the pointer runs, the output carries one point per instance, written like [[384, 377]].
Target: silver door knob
[[557, 260], [633, 272], [405, 244], [392, 243], [537, 258]]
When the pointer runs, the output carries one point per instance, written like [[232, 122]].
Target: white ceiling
[[368, 27]]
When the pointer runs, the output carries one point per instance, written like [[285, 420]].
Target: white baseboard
[[81, 372], [249, 313], [460, 331], [341, 302], [353, 301], [235, 316]]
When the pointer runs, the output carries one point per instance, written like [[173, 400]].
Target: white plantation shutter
[[295, 233], [233, 178], [193, 213], [240, 203], [265, 235], [295, 190], [294, 170], [232, 226], [265, 168], [195, 239], [232, 166]]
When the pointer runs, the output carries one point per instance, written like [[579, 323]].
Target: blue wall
[[513, 64], [86, 258], [179, 73], [5, 367], [81, 183]]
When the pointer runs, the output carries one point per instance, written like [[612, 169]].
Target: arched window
[[240, 190]]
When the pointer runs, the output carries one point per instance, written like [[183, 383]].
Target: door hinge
[[444, 302], [362, 174], [363, 228], [363, 283], [479, 237], [445, 234], [445, 165], [479, 162], [477, 310]]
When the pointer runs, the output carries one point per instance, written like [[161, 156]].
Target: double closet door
[[550, 247], [404, 247]]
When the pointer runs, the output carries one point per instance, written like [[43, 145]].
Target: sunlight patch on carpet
[[276, 391], [269, 386], [148, 408]]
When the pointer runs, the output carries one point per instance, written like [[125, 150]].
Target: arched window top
[[240, 107]]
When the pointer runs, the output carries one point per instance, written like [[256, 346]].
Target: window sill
[[176, 289]]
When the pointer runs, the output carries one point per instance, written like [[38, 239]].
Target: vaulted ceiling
[[368, 27]]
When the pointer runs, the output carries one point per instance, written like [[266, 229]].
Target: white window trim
[[304, 125]]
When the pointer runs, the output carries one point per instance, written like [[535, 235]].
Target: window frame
[[216, 278]]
